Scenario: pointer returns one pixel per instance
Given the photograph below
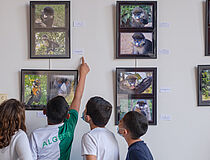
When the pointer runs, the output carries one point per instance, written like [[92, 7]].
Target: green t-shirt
[[66, 135]]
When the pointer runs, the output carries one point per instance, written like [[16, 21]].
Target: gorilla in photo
[[141, 45]]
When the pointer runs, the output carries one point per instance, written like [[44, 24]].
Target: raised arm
[[84, 69]]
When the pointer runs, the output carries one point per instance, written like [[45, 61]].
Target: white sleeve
[[33, 146], [88, 145], [22, 147]]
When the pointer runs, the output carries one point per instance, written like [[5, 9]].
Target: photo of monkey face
[[136, 16], [144, 106], [50, 43], [137, 43], [135, 82], [49, 16], [63, 85]]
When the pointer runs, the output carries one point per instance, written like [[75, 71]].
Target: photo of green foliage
[[126, 14], [58, 13], [50, 43], [143, 106], [205, 85], [35, 87]]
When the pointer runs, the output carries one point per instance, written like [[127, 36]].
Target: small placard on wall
[[165, 90], [78, 52], [78, 24], [165, 117], [164, 25], [164, 51]]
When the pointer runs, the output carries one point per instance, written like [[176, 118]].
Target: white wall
[[186, 136]]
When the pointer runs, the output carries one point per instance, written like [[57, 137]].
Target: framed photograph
[[207, 26], [203, 85], [136, 90], [39, 86], [130, 45], [136, 29], [50, 29]]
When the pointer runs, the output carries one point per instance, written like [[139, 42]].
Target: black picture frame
[[138, 45], [39, 86], [203, 74], [50, 29], [136, 90], [207, 26]]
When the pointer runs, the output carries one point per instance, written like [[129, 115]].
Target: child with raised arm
[[55, 140], [14, 143]]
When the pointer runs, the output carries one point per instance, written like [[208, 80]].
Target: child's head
[[135, 124], [12, 118], [57, 110], [99, 110]]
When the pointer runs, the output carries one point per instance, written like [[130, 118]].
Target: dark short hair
[[57, 109], [99, 110], [136, 123]]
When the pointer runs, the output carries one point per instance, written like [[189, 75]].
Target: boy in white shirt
[[55, 140], [99, 143]]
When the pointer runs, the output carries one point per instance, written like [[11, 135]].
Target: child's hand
[[84, 68]]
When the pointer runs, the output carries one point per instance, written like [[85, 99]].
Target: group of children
[[55, 140]]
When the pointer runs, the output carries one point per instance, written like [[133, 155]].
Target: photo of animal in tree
[[63, 85], [205, 85], [50, 43], [144, 106], [39, 86], [35, 87], [136, 43], [135, 82], [136, 16], [48, 16]]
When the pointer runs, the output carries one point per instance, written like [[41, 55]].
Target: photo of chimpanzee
[[63, 85], [49, 16], [136, 16], [136, 43], [50, 43], [135, 82], [35, 89]]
